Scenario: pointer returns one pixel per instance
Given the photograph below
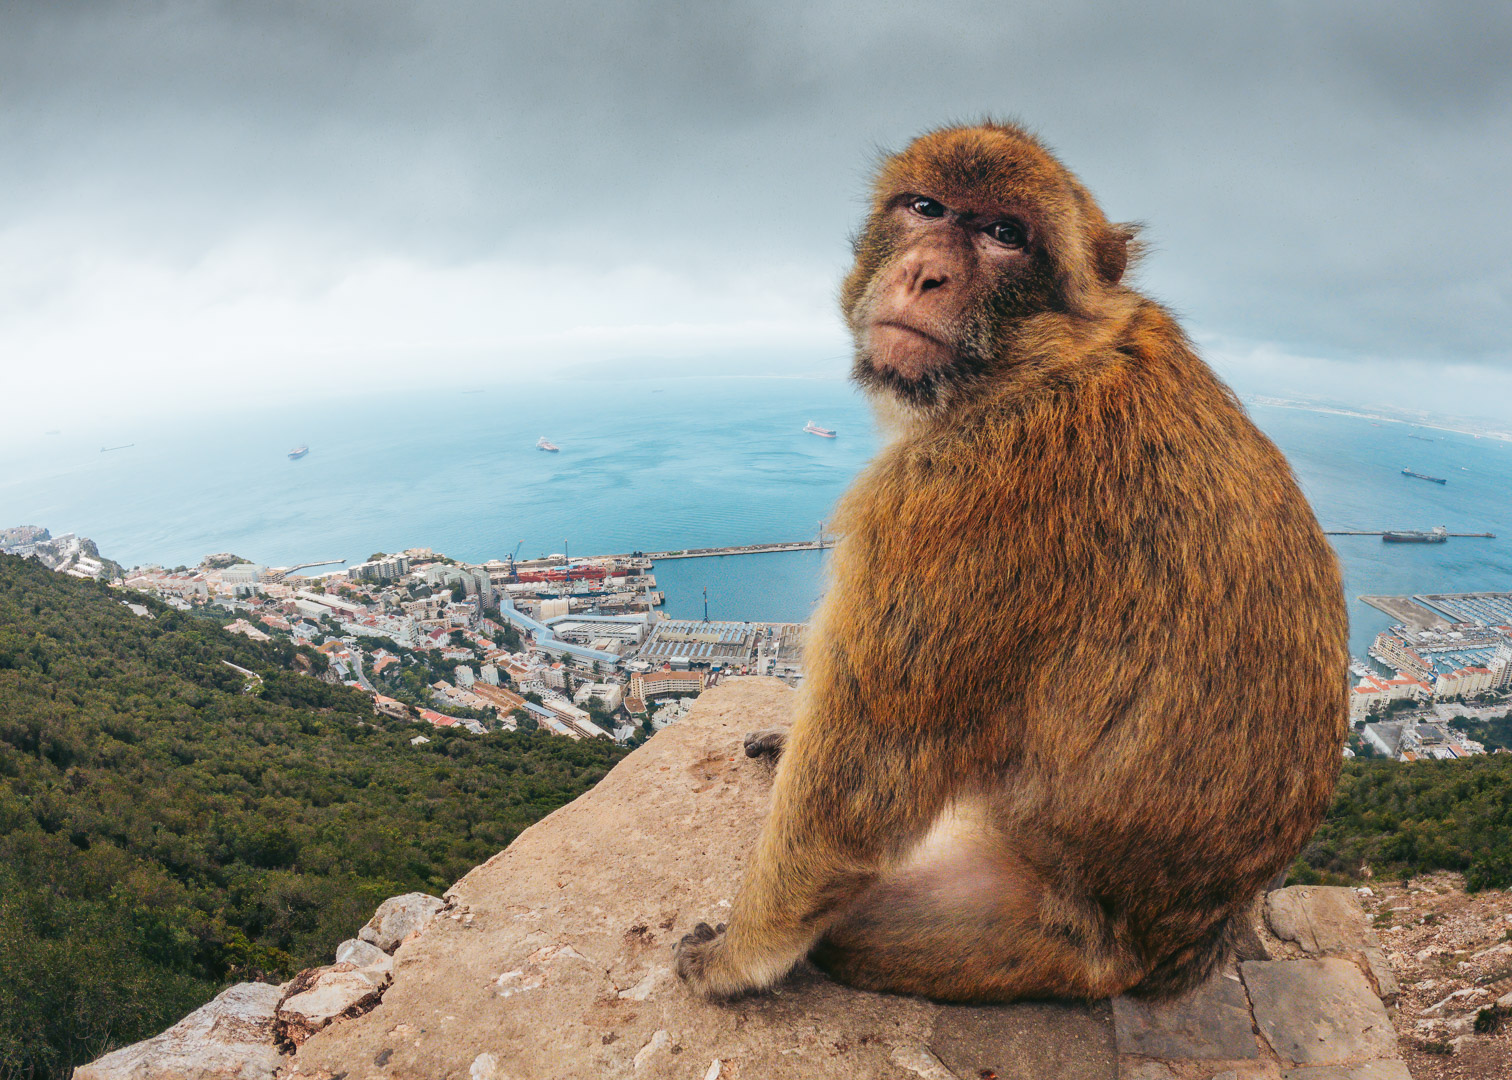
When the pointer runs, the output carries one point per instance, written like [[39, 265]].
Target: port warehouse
[[681, 643]]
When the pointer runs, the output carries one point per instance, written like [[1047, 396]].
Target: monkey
[[1076, 691]]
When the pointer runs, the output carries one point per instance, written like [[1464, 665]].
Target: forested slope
[[168, 825], [1399, 819]]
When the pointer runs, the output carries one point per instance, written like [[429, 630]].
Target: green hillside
[[1402, 819], [168, 826]]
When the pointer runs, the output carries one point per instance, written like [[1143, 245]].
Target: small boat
[[123, 446], [298, 452], [814, 429], [1424, 476], [543, 444]]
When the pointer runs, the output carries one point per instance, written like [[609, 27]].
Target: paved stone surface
[[1212, 1023], [1371, 1070], [1322, 920], [1318, 1012], [231, 1038], [1031, 1041]]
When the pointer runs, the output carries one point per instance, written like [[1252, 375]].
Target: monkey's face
[[971, 231]]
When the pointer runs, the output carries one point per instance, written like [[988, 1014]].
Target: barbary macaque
[[1077, 690]]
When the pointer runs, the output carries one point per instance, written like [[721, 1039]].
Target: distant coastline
[[1459, 426]]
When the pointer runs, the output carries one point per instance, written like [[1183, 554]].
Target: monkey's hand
[[767, 743], [699, 958]]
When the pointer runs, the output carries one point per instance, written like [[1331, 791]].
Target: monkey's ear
[[1115, 249]]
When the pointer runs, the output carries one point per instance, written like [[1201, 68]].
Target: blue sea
[[649, 464]]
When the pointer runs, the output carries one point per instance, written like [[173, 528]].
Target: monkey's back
[[1103, 582]]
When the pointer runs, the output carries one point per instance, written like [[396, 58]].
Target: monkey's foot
[[767, 743], [697, 959]]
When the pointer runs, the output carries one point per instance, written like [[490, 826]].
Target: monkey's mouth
[[906, 351]]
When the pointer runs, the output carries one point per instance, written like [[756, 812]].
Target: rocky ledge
[[553, 960]]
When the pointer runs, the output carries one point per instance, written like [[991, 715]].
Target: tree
[[524, 719], [458, 593]]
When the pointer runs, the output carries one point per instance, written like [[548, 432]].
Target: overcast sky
[[202, 199]]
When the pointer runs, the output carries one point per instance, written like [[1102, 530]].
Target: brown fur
[[1077, 689]]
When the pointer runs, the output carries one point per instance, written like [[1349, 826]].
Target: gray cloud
[[1327, 179]]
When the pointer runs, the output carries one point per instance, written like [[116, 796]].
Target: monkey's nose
[[923, 277]]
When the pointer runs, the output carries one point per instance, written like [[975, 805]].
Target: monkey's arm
[[842, 804]]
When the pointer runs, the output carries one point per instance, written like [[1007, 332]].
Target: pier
[[748, 549], [1383, 532], [285, 571]]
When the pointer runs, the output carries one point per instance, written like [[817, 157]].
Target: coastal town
[[580, 647]]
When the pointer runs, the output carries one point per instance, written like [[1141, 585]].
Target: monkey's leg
[[841, 806], [967, 922]]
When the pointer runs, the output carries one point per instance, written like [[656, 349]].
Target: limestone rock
[[320, 995], [560, 966], [231, 1038], [399, 918], [369, 960]]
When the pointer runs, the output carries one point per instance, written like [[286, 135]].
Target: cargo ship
[[1437, 535], [298, 452], [1424, 476], [814, 429], [543, 444]]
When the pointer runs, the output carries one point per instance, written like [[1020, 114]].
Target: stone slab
[[1212, 1023], [1318, 1012], [1028, 1041], [1371, 1070], [1323, 920]]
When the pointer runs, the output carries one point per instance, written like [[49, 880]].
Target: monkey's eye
[[924, 206], [1008, 233]]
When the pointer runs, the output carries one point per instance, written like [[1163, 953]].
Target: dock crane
[[514, 574]]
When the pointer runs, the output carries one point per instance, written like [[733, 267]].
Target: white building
[[611, 694]]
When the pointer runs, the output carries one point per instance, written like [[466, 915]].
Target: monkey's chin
[[908, 354]]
